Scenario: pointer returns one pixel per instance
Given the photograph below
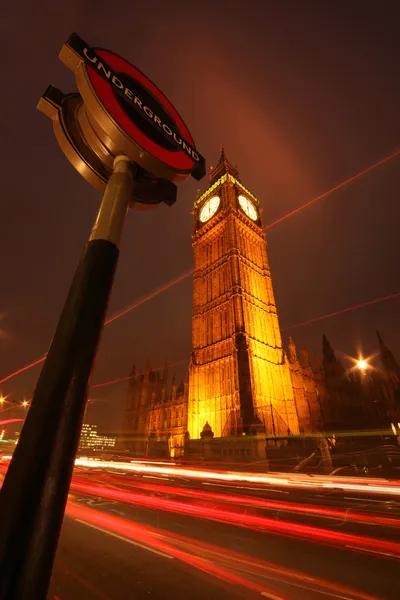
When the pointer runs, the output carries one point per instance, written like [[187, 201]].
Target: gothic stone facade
[[156, 408]]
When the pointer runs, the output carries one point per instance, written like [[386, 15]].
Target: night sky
[[302, 94]]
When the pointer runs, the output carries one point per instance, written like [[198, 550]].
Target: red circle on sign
[[176, 159]]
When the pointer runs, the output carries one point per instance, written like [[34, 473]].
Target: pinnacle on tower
[[327, 351], [292, 351], [223, 167], [380, 340], [173, 387], [186, 383], [305, 357], [388, 361], [207, 431], [330, 363]]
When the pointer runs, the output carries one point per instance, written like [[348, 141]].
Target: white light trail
[[371, 486]]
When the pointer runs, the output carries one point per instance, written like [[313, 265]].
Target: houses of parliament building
[[241, 384]]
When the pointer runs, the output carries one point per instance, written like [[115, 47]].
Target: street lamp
[[25, 403], [362, 365]]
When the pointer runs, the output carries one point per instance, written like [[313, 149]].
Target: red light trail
[[190, 272], [152, 538], [205, 556], [32, 364], [221, 562], [97, 385], [8, 421], [301, 324], [335, 188], [244, 519], [260, 503], [153, 294], [161, 289], [342, 311]]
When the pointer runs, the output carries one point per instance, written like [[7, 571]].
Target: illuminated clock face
[[248, 208], [209, 209]]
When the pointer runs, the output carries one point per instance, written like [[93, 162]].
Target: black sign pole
[[35, 488]]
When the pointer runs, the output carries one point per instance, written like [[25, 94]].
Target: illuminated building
[[241, 382], [155, 409], [238, 369], [168, 419], [239, 374], [91, 440]]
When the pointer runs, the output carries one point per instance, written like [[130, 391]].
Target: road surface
[[129, 536]]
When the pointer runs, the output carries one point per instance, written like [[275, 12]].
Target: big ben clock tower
[[238, 372]]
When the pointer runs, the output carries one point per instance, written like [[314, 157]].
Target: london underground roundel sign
[[130, 114]]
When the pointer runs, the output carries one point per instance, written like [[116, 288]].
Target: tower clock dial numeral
[[248, 208], [209, 209]]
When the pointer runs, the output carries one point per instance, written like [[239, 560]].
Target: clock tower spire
[[223, 167], [238, 372]]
